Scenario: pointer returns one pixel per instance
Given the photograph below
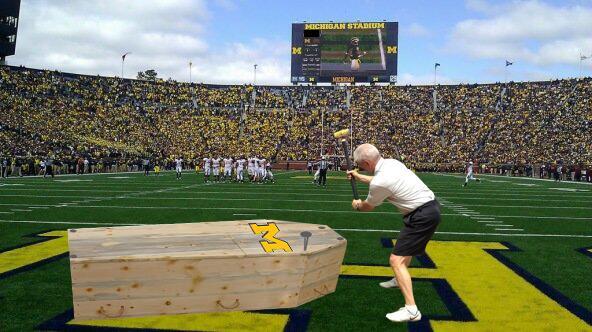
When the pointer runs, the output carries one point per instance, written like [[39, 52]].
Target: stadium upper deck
[[530, 122]]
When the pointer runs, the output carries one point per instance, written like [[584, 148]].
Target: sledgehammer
[[342, 135]]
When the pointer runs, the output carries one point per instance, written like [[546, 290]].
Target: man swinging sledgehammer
[[392, 181]]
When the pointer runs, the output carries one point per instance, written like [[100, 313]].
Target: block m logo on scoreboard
[[391, 49], [296, 50]]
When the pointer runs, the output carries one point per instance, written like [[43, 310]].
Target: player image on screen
[[344, 51], [354, 54]]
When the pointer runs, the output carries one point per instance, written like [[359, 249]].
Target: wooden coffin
[[201, 267]]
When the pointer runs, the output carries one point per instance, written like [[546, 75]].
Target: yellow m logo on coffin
[[270, 243]]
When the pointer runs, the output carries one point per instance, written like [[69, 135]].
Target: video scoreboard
[[9, 17], [354, 52]]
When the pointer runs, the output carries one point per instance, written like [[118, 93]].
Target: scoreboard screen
[[353, 52]]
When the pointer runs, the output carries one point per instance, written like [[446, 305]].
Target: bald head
[[367, 156]]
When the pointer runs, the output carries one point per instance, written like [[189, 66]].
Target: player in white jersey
[[206, 168], [179, 166], [317, 174], [256, 169], [470, 175], [262, 170], [240, 165], [269, 174], [251, 167], [227, 168], [216, 168]]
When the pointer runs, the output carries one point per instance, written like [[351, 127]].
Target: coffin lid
[[223, 239]]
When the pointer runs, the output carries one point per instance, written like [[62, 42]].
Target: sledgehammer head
[[341, 134]]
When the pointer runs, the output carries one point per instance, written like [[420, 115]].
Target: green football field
[[510, 253]]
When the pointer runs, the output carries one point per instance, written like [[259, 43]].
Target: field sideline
[[511, 253]]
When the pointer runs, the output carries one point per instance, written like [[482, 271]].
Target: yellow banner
[[344, 26]]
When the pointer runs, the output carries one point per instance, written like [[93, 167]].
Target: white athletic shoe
[[404, 315], [389, 284]]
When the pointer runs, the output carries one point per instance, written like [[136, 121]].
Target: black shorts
[[419, 227]]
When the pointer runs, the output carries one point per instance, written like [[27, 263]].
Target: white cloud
[[89, 37], [480, 5], [530, 31], [423, 79], [227, 4], [416, 30], [235, 64]]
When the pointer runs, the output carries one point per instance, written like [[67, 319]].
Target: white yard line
[[469, 233], [98, 199], [74, 180], [512, 194], [65, 222], [139, 193], [139, 173], [292, 194], [219, 208], [75, 190], [336, 229], [241, 199], [545, 217], [512, 179], [538, 200], [471, 215], [476, 216], [537, 179], [502, 190], [533, 207]]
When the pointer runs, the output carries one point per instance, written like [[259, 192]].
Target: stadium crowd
[[110, 124]]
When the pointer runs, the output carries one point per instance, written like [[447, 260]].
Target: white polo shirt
[[400, 186]]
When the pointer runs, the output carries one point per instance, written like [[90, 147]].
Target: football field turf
[[510, 253]]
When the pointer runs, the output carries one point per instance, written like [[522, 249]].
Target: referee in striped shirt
[[323, 165]]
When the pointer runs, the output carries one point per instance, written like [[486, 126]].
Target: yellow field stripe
[[385, 271], [498, 297], [495, 294], [31, 254], [362, 270], [227, 321]]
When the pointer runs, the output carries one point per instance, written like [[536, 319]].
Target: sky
[[222, 39]]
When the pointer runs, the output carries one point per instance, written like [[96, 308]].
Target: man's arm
[[376, 196], [361, 205], [359, 177]]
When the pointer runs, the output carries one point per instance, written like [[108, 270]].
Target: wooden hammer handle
[[349, 168]]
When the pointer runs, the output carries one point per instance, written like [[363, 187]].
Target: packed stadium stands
[[115, 122]]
